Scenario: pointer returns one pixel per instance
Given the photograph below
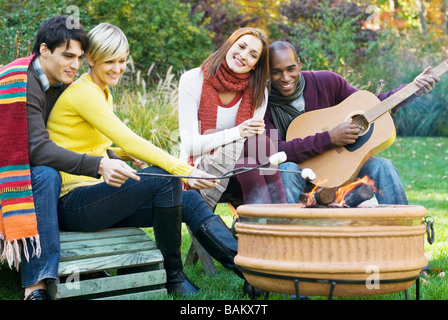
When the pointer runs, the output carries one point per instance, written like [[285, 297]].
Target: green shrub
[[398, 58], [19, 22], [163, 33], [150, 110], [328, 34], [160, 33]]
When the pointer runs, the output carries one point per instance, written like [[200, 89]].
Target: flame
[[341, 192], [309, 199]]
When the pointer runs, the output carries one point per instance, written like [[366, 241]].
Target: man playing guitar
[[294, 92]]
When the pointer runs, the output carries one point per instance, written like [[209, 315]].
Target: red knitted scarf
[[225, 81]]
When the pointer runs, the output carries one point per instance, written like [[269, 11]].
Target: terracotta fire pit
[[331, 251]]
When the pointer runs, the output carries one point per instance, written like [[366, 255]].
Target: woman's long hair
[[258, 76]]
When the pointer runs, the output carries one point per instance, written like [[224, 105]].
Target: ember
[[350, 195]]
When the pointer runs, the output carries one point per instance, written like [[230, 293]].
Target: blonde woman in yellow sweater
[[83, 121]]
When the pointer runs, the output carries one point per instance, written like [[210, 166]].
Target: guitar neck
[[400, 96]]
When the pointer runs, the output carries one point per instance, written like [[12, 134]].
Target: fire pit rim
[[296, 211]]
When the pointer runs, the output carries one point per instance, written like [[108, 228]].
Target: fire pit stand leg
[[296, 285], [332, 282], [417, 290]]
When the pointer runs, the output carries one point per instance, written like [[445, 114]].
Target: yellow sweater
[[82, 120]]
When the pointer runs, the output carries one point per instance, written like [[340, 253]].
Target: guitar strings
[[360, 120]]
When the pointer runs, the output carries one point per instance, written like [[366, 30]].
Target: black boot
[[167, 231], [219, 242]]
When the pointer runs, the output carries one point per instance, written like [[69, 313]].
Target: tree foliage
[[163, 33], [221, 18], [19, 21], [330, 34]]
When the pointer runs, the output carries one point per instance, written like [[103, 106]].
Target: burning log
[[355, 193], [350, 195], [325, 196], [358, 195], [307, 199], [319, 196]]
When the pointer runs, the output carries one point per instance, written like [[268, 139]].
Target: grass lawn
[[423, 167]]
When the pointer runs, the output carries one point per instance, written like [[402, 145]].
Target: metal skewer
[[274, 159], [227, 175]]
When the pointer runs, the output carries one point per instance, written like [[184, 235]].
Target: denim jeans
[[100, 206], [382, 171], [46, 183]]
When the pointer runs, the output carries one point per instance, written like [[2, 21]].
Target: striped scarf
[[17, 214]]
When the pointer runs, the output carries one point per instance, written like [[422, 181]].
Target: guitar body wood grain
[[339, 166]]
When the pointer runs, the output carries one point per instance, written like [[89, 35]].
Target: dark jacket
[[323, 89], [42, 150]]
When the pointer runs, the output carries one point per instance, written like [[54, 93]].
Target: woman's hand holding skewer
[[202, 183]]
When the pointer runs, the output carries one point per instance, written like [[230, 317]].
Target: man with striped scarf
[[29, 161]]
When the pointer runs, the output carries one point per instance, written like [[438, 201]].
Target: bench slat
[[92, 243], [110, 262], [67, 236], [82, 253], [109, 284], [148, 295]]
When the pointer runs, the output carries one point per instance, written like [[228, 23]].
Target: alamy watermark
[[373, 280], [73, 18], [72, 281], [373, 21], [258, 149]]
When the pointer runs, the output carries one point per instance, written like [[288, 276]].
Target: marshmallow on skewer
[[309, 174], [277, 158]]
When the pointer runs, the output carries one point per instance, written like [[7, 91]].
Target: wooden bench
[[128, 254]]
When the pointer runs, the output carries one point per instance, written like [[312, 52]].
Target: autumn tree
[[221, 18]]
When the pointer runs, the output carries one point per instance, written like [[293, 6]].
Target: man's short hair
[[282, 45], [59, 30]]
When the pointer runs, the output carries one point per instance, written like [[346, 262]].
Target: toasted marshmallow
[[277, 158], [308, 174]]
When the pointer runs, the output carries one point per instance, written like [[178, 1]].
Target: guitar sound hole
[[362, 121]]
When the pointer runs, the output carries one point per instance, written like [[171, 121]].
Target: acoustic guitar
[[341, 165]]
